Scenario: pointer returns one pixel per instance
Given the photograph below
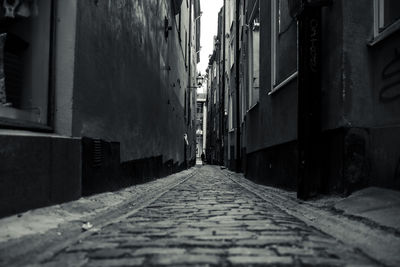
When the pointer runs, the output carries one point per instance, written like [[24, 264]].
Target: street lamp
[[199, 80]]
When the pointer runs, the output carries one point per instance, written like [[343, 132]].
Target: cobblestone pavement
[[209, 220]]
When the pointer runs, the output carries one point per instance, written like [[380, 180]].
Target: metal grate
[[98, 153]]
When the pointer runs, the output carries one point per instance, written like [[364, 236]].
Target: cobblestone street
[[207, 220]]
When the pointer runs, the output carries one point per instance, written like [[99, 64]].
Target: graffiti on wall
[[314, 43], [391, 79]]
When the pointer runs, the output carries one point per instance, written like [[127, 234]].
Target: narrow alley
[[199, 133], [203, 217]]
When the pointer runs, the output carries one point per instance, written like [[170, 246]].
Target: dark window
[[286, 42], [25, 43], [391, 12]]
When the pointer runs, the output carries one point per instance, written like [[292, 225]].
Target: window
[[230, 113], [179, 26], [25, 42], [214, 69], [253, 83], [386, 12], [232, 54], [186, 48], [215, 96], [231, 12], [283, 46], [200, 108]]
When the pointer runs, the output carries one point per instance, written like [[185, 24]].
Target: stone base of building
[[38, 170], [352, 159], [274, 166]]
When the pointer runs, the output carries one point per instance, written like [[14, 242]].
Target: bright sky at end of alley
[[209, 23]]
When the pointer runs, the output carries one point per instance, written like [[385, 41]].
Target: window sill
[[252, 107], [386, 33], [231, 130], [23, 124], [283, 83]]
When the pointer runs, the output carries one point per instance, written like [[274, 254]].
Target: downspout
[[237, 58]]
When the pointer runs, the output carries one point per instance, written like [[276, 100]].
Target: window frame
[[379, 18], [250, 53], [48, 126], [275, 31], [230, 114]]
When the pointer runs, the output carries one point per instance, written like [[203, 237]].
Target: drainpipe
[[237, 58]]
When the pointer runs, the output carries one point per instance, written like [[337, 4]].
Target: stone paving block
[[110, 253], [264, 260], [269, 240], [217, 212], [233, 223], [157, 234], [189, 233], [246, 251], [319, 261], [266, 227], [205, 251], [198, 243], [295, 251], [90, 245], [202, 224], [222, 219], [157, 250], [187, 259], [221, 237], [67, 259], [117, 262], [277, 233]]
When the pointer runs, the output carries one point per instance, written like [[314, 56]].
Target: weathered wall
[[332, 95], [64, 66], [129, 78], [357, 30]]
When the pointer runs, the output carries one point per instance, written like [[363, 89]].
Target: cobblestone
[[209, 220]]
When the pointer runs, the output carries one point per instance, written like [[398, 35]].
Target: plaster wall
[[64, 65], [129, 78]]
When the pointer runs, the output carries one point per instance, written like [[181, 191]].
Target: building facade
[[201, 124], [317, 108], [94, 95]]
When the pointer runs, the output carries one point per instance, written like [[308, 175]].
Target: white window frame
[[380, 29], [251, 102], [379, 15], [275, 29], [230, 115]]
